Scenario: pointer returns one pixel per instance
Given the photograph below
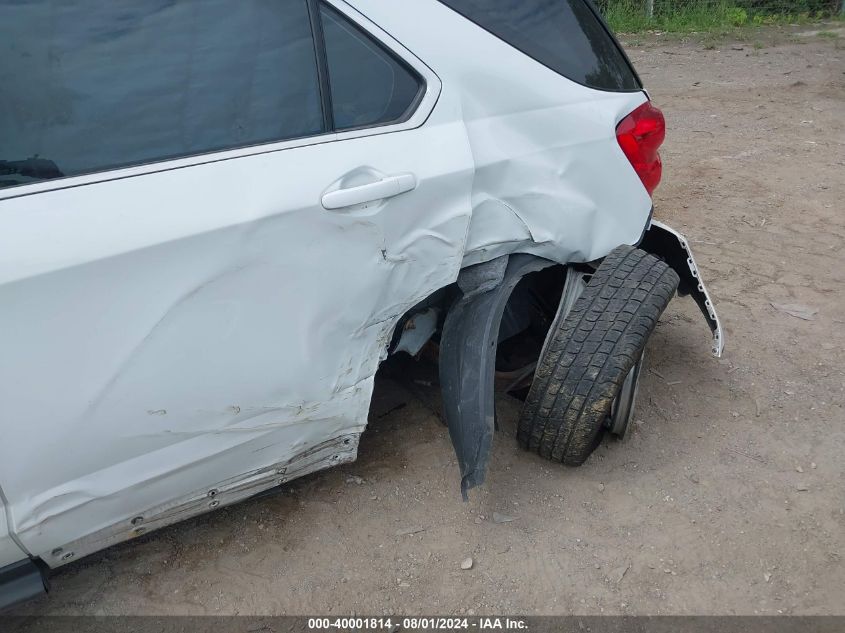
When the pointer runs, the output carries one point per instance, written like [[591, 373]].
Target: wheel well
[[529, 310]]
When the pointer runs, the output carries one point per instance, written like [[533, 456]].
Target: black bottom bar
[[21, 581]]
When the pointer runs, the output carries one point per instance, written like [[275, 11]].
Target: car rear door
[[201, 263]]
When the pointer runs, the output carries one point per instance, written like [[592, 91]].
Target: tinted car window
[[87, 85], [369, 86], [564, 35]]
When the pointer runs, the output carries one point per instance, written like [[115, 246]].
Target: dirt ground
[[727, 497]]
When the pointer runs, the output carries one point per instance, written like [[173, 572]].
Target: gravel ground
[[729, 494]]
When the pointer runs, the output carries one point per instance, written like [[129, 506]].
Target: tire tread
[[590, 354]]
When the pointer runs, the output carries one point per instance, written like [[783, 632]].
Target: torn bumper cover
[[672, 247]]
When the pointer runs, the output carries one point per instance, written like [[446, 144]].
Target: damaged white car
[[218, 217]]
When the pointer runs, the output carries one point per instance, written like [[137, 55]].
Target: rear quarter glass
[[565, 35]]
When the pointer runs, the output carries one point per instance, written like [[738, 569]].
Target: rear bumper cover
[[673, 248]]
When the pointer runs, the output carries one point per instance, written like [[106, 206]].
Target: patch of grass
[[626, 17], [830, 34], [782, 19], [722, 17]]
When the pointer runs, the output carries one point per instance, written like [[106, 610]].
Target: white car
[[218, 217]]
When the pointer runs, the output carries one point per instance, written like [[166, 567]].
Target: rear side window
[[369, 86], [87, 85], [565, 35]]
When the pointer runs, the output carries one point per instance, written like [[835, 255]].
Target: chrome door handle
[[380, 190]]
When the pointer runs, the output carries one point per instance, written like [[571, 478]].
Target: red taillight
[[640, 135]]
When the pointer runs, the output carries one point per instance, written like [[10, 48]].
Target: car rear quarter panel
[[550, 178]]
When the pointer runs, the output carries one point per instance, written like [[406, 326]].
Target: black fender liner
[[468, 358]]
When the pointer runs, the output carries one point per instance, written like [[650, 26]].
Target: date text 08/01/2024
[[416, 624]]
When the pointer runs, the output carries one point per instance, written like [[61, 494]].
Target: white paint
[[9, 550], [382, 189], [550, 178], [169, 328]]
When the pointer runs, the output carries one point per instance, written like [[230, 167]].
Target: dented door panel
[[167, 332]]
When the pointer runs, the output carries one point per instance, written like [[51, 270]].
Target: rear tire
[[590, 352]]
